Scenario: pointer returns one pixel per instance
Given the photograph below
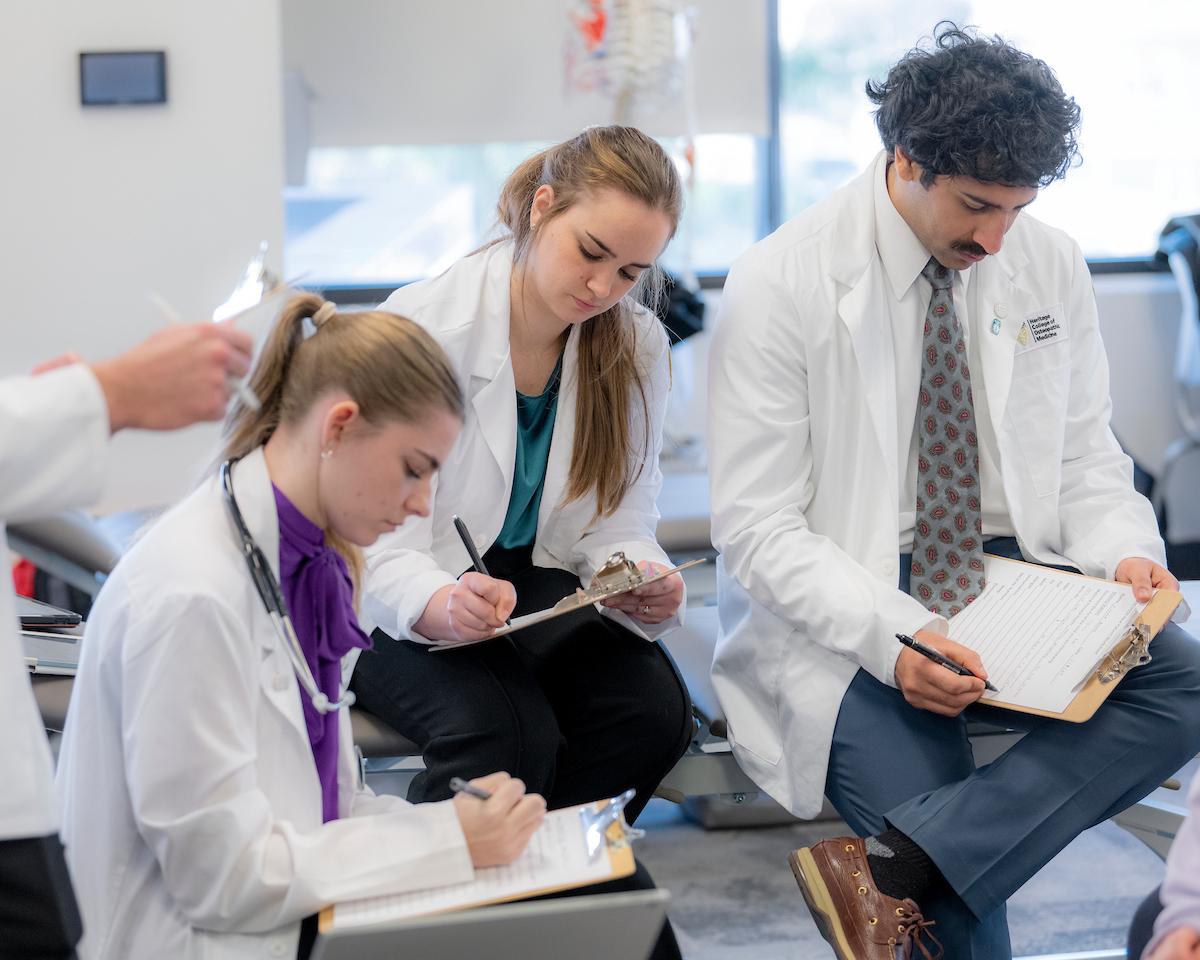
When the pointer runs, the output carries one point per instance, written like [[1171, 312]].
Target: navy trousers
[[990, 829]]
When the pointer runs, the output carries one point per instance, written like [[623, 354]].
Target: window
[[1132, 76], [379, 215], [375, 216]]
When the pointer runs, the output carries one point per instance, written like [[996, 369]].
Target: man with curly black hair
[[905, 376]]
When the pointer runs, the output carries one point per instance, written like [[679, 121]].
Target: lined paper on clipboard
[[557, 858], [1041, 633]]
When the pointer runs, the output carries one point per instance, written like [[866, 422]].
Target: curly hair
[[977, 108]]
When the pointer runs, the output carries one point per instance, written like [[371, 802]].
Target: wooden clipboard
[[618, 849], [1087, 701]]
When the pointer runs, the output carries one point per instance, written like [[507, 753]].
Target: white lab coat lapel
[[256, 500], [864, 312], [999, 293], [493, 389]]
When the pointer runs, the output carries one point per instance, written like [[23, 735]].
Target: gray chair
[[1175, 490], [70, 545]]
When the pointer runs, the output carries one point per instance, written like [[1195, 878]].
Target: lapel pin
[[996, 327], [1023, 336]]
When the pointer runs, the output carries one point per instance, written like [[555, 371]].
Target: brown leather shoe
[[859, 922]]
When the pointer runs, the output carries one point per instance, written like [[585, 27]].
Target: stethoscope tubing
[[271, 595]]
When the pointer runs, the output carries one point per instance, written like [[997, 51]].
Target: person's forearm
[[434, 623]]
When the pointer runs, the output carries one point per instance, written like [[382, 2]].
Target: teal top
[[535, 428]]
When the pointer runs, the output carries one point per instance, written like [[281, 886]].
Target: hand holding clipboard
[[618, 576]]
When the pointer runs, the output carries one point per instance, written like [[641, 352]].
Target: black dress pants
[[1141, 927], [578, 707], [39, 919]]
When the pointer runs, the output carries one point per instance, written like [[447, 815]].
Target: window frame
[[770, 212]]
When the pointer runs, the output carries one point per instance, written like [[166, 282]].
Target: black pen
[[459, 785], [936, 657], [476, 560]]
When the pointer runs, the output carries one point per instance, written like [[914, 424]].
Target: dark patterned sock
[[901, 869]]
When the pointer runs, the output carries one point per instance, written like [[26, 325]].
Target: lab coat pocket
[[1039, 361], [1037, 406], [750, 676], [759, 733]]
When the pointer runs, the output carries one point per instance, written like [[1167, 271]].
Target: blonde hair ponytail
[[391, 367], [247, 429]]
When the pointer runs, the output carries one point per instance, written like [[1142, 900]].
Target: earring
[[326, 454]]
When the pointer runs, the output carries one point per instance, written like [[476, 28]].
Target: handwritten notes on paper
[[556, 857], [1040, 632]]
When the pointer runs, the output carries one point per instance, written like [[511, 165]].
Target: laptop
[[613, 926], [34, 613]]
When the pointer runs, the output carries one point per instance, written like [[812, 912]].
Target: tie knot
[[939, 276]]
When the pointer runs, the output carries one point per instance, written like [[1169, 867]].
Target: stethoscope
[[272, 598]]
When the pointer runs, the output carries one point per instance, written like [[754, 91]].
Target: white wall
[[100, 204], [459, 71], [1139, 320]]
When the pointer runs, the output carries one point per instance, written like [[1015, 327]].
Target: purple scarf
[[316, 586]]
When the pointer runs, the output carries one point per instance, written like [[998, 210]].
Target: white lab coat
[[805, 478], [53, 443], [466, 309], [191, 803]]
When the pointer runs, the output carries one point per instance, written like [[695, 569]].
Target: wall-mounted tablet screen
[[133, 77]]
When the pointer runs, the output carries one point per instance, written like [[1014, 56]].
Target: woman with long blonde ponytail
[[566, 373], [211, 801]]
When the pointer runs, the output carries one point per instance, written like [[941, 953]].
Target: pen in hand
[[459, 785], [476, 560], [931, 654]]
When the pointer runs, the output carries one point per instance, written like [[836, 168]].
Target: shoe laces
[[917, 935]]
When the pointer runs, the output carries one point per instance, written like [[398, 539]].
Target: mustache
[[972, 248]]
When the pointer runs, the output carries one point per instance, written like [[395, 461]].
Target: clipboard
[[617, 576], [601, 829], [1131, 651]]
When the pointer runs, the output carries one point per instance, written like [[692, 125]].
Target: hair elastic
[[320, 316]]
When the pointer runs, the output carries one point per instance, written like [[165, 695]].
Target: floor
[[734, 898]]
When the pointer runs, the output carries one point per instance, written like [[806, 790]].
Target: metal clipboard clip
[[256, 285], [1137, 652], [597, 821], [618, 575]]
